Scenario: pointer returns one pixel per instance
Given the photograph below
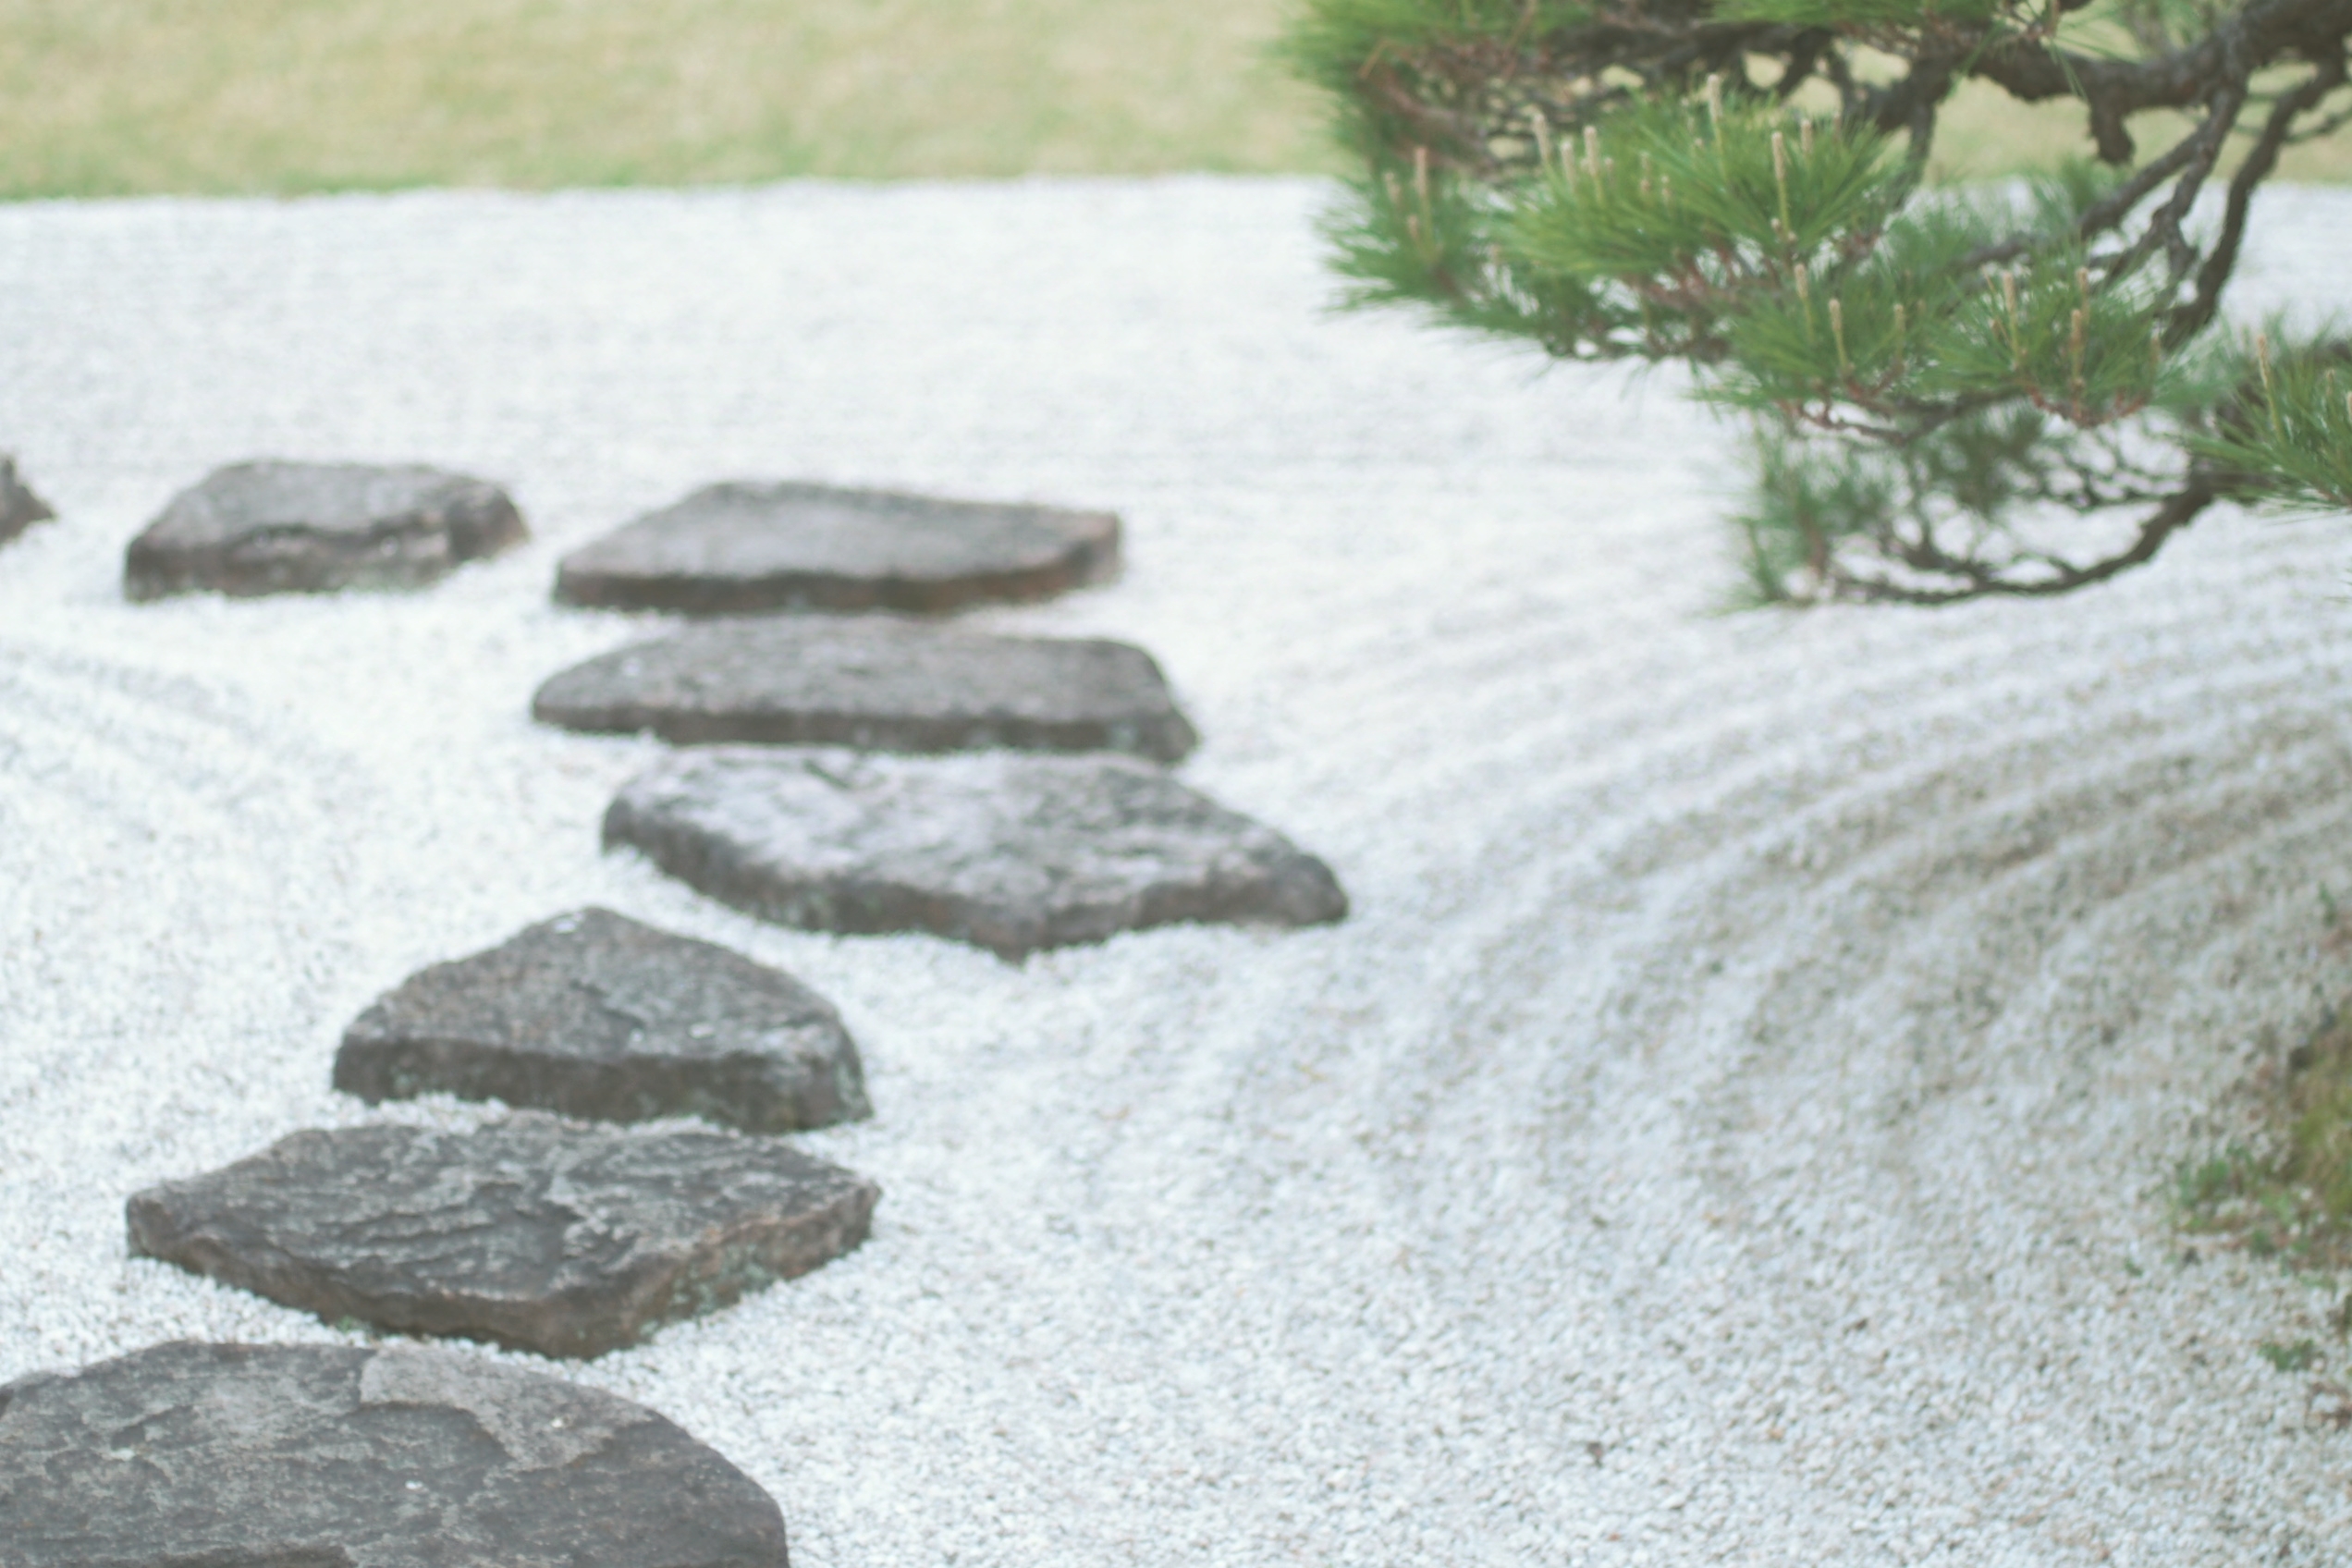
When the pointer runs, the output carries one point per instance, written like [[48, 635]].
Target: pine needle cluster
[[1952, 393]]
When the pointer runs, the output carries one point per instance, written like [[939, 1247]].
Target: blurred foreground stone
[[19, 508], [260, 528], [318, 1456]]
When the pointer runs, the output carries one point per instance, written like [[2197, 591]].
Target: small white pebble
[[1778, 942]]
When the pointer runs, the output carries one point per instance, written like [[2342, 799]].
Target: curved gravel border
[[1731, 1127]]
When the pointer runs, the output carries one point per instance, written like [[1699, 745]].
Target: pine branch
[[1610, 181]]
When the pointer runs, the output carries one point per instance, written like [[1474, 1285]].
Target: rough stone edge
[[153, 572], [20, 507], [1166, 738], [1302, 891], [705, 1280], [1088, 563], [375, 1069], [369, 1058], [372, 1364]]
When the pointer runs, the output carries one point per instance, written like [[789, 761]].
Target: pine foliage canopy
[[1954, 393]]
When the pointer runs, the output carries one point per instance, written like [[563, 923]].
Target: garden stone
[[1008, 851], [748, 547], [190, 1455], [534, 1232], [307, 528], [594, 1015], [19, 508], [876, 684]]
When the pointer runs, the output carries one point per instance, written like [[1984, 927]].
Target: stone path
[[876, 684], [1008, 851], [234, 1456], [19, 508], [571, 1239], [743, 547], [595, 1015], [302, 528], [534, 1232]]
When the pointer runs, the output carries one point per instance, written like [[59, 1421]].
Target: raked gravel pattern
[[1732, 1126]]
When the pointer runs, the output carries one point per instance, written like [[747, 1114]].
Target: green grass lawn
[[111, 96], [102, 97]]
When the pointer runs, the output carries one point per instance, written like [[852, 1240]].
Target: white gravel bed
[[1733, 1125]]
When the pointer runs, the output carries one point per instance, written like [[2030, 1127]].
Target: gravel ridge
[[1732, 1125]]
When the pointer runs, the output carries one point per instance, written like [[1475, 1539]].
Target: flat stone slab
[[751, 547], [1010, 851], [187, 1456], [309, 528], [594, 1015], [19, 508], [877, 685], [532, 1233]]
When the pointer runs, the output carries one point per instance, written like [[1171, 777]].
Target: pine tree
[[1954, 393]]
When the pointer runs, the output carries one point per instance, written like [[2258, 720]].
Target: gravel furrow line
[[1732, 1126]]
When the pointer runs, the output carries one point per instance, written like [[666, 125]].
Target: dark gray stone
[[747, 548], [19, 508], [1008, 851], [309, 528], [876, 684], [534, 1232], [187, 1456], [594, 1015]]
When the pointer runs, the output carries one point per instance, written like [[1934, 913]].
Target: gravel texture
[[1731, 1126]]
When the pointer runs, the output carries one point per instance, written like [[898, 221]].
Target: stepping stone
[[746, 548], [1008, 852], [309, 528], [534, 1232], [594, 1015], [187, 1456], [19, 508], [877, 685]]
